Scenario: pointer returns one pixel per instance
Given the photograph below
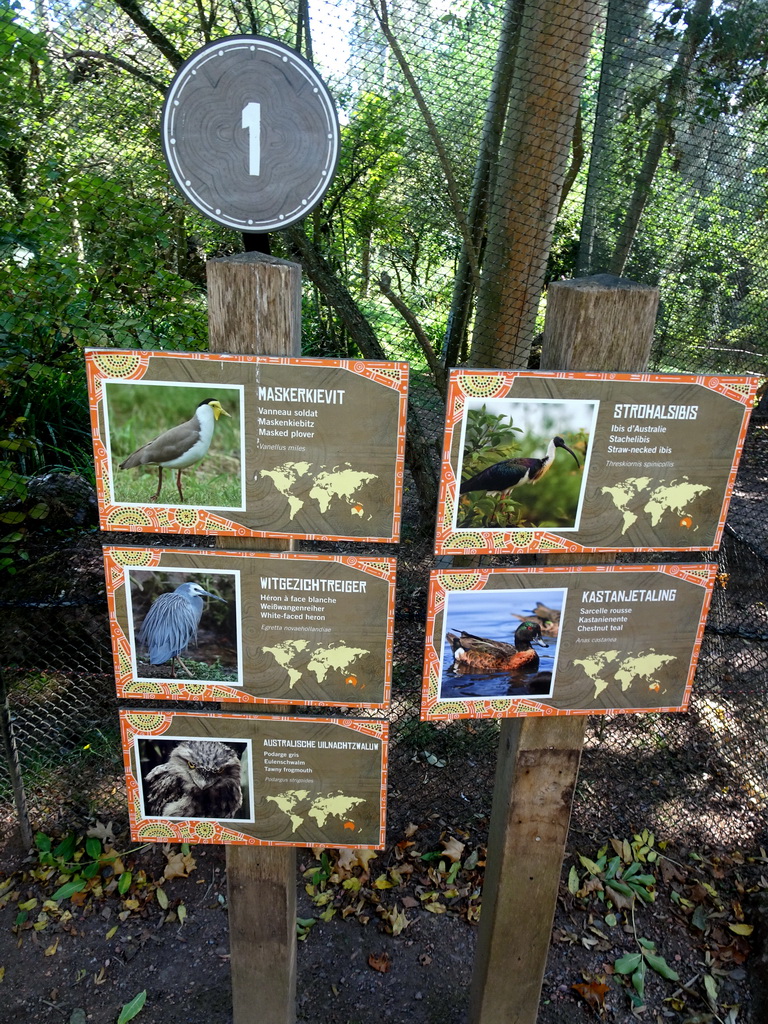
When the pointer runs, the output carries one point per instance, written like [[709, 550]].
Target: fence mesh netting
[[487, 148]]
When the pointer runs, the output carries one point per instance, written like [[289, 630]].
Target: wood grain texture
[[602, 322], [250, 133], [597, 323], [254, 308], [261, 898], [254, 305]]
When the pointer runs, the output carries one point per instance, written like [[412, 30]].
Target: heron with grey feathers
[[171, 624]]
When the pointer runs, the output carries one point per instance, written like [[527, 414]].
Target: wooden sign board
[[618, 639], [631, 462], [261, 781], [279, 628], [309, 448], [250, 133]]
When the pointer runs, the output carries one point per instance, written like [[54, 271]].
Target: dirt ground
[[85, 967], [397, 943]]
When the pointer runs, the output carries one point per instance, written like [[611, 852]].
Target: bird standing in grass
[[180, 446], [171, 624], [479, 654], [502, 477]]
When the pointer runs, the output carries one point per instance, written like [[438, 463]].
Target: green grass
[[140, 412], [201, 489], [199, 671]]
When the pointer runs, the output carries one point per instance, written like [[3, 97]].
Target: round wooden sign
[[250, 133]]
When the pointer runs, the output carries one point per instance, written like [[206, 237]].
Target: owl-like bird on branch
[[200, 779]]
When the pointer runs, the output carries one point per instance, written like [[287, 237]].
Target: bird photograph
[[523, 463], [186, 430], [493, 648], [194, 778], [185, 621]]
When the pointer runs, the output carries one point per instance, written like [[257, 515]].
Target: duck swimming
[[478, 654]]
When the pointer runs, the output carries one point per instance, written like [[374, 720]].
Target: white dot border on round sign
[[218, 48]]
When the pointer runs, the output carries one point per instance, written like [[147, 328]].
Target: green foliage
[[132, 1009], [486, 437], [79, 860], [618, 882]]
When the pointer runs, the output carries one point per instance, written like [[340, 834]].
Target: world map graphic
[[328, 485], [674, 498], [334, 658], [297, 805], [640, 667]]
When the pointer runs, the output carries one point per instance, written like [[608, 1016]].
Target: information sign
[[586, 462], [250, 133], [247, 446], [509, 643], [262, 781], [278, 628]]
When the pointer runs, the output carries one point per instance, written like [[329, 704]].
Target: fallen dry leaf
[[380, 962], [103, 832], [453, 849], [179, 865], [593, 993]]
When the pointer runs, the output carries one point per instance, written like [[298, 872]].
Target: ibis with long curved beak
[[502, 477], [180, 446]]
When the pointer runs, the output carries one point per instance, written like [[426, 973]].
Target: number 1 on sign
[[252, 123]]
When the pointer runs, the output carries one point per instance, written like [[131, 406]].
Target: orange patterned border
[[116, 559], [138, 724], [122, 364], [497, 384], [444, 581]]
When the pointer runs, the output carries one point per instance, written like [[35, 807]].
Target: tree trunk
[[671, 107], [418, 450], [622, 29], [555, 38], [482, 182]]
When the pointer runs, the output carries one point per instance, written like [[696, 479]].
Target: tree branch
[[417, 330], [418, 450], [670, 107], [458, 210], [107, 58], [151, 31], [577, 159]]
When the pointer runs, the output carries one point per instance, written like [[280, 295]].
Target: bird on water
[[180, 446], [480, 654], [502, 477], [171, 624], [200, 779]]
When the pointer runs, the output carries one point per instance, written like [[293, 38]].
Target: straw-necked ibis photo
[[528, 471]]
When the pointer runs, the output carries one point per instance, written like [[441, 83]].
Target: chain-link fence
[[487, 148]]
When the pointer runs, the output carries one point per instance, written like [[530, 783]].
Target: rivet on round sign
[[248, 143]]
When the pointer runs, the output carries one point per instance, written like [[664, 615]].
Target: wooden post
[[254, 308], [596, 323]]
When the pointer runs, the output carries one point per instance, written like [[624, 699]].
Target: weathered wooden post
[[597, 323], [254, 308]]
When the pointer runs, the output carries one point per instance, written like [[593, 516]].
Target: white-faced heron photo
[[171, 624]]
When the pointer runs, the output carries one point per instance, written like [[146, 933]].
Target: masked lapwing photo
[[188, 432]]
